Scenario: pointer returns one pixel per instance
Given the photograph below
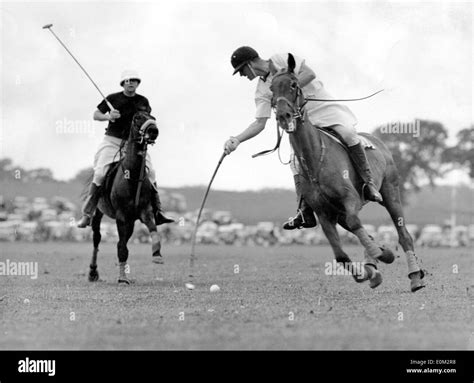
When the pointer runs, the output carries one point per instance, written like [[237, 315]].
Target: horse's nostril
[[284, 116]]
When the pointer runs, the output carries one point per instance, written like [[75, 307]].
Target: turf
[[280, 298]]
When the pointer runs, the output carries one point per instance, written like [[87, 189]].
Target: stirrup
[[290, 224]]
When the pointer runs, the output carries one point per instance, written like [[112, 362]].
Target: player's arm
[[103, 113], [254, 129], [305, 75], [99, 116]]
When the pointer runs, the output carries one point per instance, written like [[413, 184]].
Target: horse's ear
[[291, 63]]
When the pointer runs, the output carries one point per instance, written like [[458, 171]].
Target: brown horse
[[333, 188], [118, 200]]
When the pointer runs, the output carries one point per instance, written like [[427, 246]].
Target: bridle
[[297, 114], [143, 136], [297, 107]]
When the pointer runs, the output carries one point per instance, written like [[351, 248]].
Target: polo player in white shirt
[[333, 115]]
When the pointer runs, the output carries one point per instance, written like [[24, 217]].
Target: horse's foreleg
[[328, 225], [125, 230], [391, 197], [96, 237], [149, 220]]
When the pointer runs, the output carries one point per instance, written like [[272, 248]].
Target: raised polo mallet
[[192, 256], [48, 27]]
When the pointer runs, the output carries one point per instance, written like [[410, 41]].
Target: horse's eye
[[293, 85]]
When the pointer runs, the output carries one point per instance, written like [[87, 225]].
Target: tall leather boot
[[89, 206], [359, 159], [305, 216], [160, 219]]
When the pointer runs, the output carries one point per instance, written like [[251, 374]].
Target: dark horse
[[333, 188], [118, 197]]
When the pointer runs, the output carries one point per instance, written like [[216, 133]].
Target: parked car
[[431, 235]]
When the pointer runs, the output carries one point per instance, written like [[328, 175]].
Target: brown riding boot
[[160, 219], [89, 206], [359, 159], [305, 216]]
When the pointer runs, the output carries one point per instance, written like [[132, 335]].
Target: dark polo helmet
[[242, 56]]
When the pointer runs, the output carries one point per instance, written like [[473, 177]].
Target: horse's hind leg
[[372, 249], [391, 197], [96, 237], [125, 230], [328, 224]]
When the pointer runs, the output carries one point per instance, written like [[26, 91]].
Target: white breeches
[[107, 153]]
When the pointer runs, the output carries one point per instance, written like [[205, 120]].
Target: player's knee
[[350, 138], [152, 175], [295, 165], [348, 134], [99, 175]]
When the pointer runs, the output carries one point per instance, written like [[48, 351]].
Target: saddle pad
[[363, 140]]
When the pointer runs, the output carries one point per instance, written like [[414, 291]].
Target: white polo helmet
[[129, 75]]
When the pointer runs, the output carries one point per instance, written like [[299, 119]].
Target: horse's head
[[143, 129], [287, 96]]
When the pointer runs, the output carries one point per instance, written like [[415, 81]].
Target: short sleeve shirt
[[127, 106]]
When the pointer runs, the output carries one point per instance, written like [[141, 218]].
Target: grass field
[[279, 299]]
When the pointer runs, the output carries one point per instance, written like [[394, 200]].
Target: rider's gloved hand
[[113, 115], [230, 145]]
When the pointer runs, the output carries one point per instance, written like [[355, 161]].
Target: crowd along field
[[269, 298]]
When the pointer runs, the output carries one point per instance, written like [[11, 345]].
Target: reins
[[298, 114]]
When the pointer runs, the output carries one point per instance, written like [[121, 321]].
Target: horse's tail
[[87, 184]]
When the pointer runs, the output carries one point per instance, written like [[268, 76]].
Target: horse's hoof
[[158, 259], [124, 281], [376, 279], [366, 275], [93, 275], [387, 255], [416, 283]]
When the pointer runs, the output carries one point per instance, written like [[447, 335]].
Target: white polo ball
[[214, 289], [26, 301], [189, 286]]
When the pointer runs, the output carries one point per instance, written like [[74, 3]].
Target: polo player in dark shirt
[[126, 104]]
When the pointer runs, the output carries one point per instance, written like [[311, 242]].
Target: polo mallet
[[48, 27], [192, 256]]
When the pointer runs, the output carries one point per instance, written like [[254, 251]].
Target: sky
[[419, 52]]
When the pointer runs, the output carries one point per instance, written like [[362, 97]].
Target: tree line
[[420, 157]]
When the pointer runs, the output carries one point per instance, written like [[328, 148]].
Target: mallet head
[[47, 26]]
